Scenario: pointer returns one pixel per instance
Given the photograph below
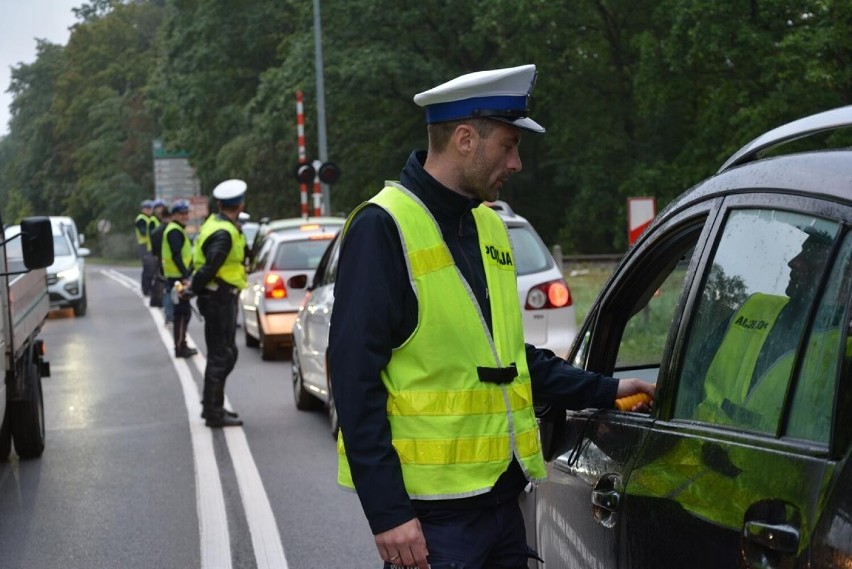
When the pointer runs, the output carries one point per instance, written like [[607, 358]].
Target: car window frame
[[600, 327]]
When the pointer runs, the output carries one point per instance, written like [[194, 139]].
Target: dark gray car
[[737, 301]]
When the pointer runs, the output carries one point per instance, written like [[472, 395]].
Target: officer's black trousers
[[219, 310], [182, 312]]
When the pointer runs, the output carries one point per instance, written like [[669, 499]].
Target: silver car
[[283, 267], [546, 305]]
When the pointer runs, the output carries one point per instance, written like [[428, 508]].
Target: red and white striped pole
[[300, 132], [317, 190]]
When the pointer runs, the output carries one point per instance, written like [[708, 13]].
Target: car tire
[[251, 341], [301, 397], [5, 439], [27, 416], [81, 305]]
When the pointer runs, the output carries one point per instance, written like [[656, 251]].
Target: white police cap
[[230, 192], [500, 94]]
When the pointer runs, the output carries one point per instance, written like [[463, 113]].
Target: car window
[[644, 337], [531, 255], [631, 330], [751, 318], [61, 248], [299, 255]]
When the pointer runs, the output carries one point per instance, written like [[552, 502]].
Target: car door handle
[[606, 499], [782, 538]]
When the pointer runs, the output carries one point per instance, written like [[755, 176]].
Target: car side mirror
[[37, 242], [298, 281], [84, 251]]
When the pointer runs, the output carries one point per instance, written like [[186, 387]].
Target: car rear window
[[299, 255], [531, 256]]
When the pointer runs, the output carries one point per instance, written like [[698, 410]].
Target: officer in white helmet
[[220, 274], [431, 377]]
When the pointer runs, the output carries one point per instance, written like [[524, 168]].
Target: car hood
[[61, 264]]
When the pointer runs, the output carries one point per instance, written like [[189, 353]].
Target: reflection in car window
[[750, 318], [810, 415], [531, 256]]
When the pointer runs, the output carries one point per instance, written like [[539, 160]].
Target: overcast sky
[[21, 22]]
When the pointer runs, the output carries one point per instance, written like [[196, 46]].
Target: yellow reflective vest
[[233, 270], [455, 434], [729, 396], [170, 268], [143, 238]]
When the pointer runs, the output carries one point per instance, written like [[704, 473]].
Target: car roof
[[314, 232], [297, 222], [506, 213], [823, 174]]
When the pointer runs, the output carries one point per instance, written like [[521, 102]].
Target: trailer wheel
[[5, 440], [27, 416]]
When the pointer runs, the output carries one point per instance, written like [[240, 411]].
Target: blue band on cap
[[514, 106], [232, 201]]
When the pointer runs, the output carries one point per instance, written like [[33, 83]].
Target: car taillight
[[553, 294], [274, 287]]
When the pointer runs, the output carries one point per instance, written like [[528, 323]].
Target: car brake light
[[553, 294], [274, 287]]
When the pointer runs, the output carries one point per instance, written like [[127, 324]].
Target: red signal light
[[552, 294], [274, 287]]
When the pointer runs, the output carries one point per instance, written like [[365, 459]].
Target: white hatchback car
[[282, 269], [544, 296]]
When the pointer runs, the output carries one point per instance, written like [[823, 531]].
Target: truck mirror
[[37, 242]]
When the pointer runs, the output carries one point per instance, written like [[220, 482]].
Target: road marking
[[213, 521]]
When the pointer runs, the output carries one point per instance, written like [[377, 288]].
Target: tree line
[[639, 98]]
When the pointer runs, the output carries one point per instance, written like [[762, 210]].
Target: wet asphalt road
[[130, 478]]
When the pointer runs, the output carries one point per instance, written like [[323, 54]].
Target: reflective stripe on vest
[[142, 238], [170, 268], [439, 411], [232, 271]]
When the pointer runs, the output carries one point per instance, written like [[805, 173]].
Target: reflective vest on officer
[[454, 433], [153, 223], [730, 398], [143, 238], [233, 270], [170, 268]]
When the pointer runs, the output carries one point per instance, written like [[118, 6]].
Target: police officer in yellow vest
[[432, 380], [177, 268], [220, 274], [141, 227]]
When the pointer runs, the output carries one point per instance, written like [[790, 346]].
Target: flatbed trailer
[[24, 303]]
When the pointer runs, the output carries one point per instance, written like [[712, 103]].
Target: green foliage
[[639, 98]]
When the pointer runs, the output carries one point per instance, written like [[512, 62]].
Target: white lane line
[[214, 539], [266, 540]]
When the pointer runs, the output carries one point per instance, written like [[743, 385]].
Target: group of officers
[[174, 270]]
